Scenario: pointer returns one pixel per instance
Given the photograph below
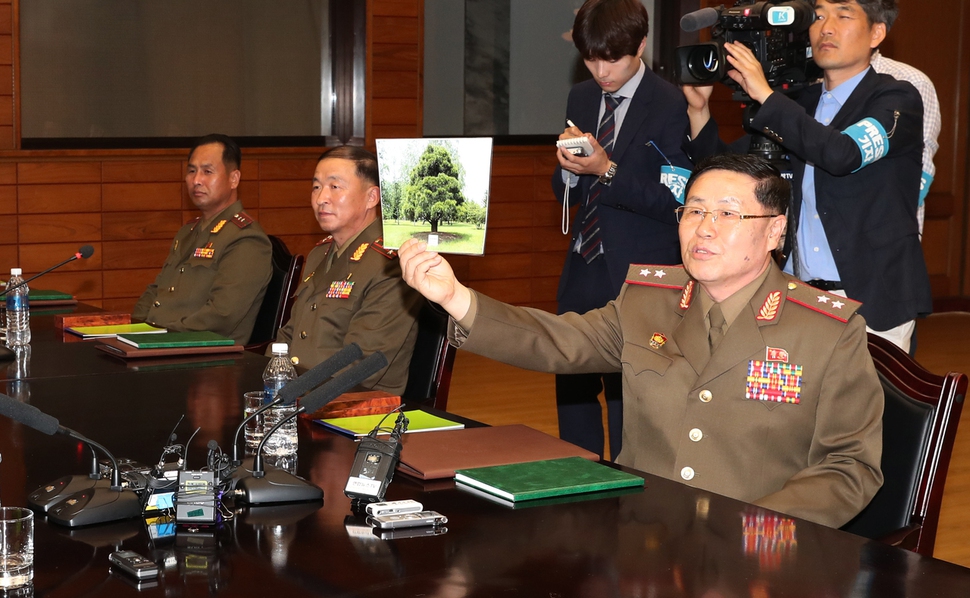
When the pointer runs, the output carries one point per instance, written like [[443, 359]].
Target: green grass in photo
[[452, 238]]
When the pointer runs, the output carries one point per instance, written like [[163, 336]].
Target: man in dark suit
[[855, 142], [635, 125]]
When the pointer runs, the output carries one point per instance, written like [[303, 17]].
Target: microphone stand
[[76, 256], [43, 498]]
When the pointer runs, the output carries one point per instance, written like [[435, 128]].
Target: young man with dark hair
[[352, 291], [855, 142], [633, 121], [736, 378], [216, 273]]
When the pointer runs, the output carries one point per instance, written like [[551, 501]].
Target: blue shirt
[[815, 259]]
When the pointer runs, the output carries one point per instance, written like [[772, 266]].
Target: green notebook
[[361, 425], [48, 295], [172, 340], [542, 479], [113, 330]]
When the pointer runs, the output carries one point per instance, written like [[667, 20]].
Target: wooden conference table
[[667, 540]]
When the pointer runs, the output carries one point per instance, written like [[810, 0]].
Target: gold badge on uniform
[[657, 340], [770, 307], [340, 289], [359, 253], [776, 354], [218, 227], [204, 252]]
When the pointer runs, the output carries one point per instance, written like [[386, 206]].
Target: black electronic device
[[276, 485], [776, 32], [195, 502], [94, 505], [133, 564], [374, 465]]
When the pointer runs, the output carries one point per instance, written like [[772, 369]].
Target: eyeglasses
[[692, 215]]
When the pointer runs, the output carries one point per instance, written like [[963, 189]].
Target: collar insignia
[[770, 307], [685, 297], [218, 226], [359, 252]]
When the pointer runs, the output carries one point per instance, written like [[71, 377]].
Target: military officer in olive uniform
[[352, 291], [737, 378], [216, 273]]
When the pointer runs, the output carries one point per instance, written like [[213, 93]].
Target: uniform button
[[182, 269], [696, 434], [156, 304], [705, 396], [171, 289], [295, 360], [303, 334], [313, 307], [687, 473]]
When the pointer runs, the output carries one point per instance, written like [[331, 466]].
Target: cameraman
[[855, 142]]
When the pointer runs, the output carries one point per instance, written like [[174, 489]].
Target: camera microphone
[[699, 19]]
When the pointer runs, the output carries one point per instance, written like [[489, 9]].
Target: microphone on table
[[92, 505], [301, 385], [277, 485], [83, 253]]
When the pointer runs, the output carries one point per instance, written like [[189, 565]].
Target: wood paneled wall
[[128, 204]]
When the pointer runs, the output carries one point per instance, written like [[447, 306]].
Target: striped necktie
[[592, 244]]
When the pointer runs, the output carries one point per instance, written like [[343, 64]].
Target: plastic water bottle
[[278, 372], [18, 312]]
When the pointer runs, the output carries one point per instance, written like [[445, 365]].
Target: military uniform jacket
[[786, 414], [362, 299], [213, 279]]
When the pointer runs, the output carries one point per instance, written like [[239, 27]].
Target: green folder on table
[[542, 479], [48, 295], [172, 340]]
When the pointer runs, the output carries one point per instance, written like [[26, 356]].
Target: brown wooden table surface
[[668, 540]]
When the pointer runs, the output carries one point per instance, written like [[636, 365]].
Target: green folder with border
[[542, 479], [173, 340]]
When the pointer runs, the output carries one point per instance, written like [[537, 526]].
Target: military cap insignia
[[823, 302], [359, 252], [769, 309], [657, 340], [378, 246], [773, 381], [218, 226], [666, 277], [340, 289], [242, 219], [204, 252]]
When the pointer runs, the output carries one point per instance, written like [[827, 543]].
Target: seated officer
[[216, 274], [352, 291], [737, 378]]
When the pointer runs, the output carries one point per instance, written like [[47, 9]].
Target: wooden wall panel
[[129, 204]]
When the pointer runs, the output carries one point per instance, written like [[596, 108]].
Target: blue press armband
[[926, 179], [675, 178], [871, 139]]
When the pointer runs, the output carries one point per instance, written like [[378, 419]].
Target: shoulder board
[[242, 219], [378, 246], [326, 241], [665, 277], [823, 302]]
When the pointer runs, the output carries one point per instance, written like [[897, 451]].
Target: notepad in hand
[[173, 340], [542, 479], [361, 425], [113, 330]]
